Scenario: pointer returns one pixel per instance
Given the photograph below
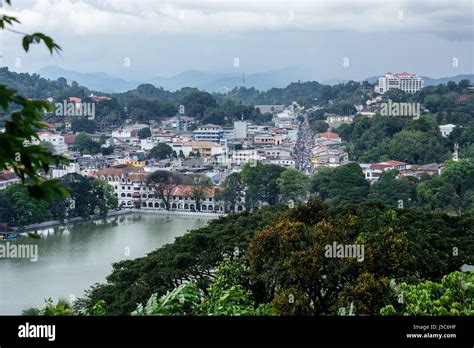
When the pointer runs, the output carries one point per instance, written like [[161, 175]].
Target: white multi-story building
[[126, 133], [56, 140], [63, 170], [243, 156], [130, 187], [406, 82], [209, 132]]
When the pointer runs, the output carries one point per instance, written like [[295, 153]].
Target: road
[[303, 147]]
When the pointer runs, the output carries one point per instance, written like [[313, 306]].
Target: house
[[335, 121], [240, 157], [277, 152], [265, 140], [126, 133], [287, 161], [446, 129], [206, 149], [56, 140], [7, 179], [373, 171], [328, 135]]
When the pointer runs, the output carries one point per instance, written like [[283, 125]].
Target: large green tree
[[294, 185], [342, 184], [261, 183], [161, 151]]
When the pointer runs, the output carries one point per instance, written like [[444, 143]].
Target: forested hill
[[34, 86]]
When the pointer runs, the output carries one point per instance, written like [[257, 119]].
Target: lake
[[74, 257]]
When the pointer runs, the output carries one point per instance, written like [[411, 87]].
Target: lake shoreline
[[77, 220]]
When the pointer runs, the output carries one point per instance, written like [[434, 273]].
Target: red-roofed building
[[7, 179], [329, 135], [407, 82], [131, 188]]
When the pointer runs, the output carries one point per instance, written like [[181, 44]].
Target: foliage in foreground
[[288, 268], [454, 295], [225, 296]]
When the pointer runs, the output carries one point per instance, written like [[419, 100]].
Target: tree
[[201, 187], [341, 185], [22, 125], [107, 150], [261, 184], [144, 133], [87, 196], [18, 209], [107, 199], [192, 257], [225, 296], [233, 190], [452, 296], [391, 190], [164, 184], [294, 185], [452, 191], [319, 126], [83, 125], [197, 102], [85, 144], [161, 151]]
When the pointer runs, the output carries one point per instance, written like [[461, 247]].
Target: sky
[[338, 39]]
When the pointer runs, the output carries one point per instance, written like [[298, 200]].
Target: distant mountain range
[[218, 82], [211, 82]]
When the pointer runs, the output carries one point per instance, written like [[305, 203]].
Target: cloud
[[139, 17]]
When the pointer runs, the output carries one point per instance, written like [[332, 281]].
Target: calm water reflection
[[72, 258]]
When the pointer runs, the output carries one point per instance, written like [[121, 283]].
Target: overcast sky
[[163, 38]]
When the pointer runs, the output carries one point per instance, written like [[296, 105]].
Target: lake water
[[72, 258]]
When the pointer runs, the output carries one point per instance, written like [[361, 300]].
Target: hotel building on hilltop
[[406, 82]]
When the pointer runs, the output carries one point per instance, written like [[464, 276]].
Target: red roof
[[393, 163], [74, 99], [69, 138], [404, 74], [328, 135]]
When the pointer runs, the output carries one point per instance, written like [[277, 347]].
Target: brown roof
[[4, 176], [201, 144], [185, 190], [118, 171]]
